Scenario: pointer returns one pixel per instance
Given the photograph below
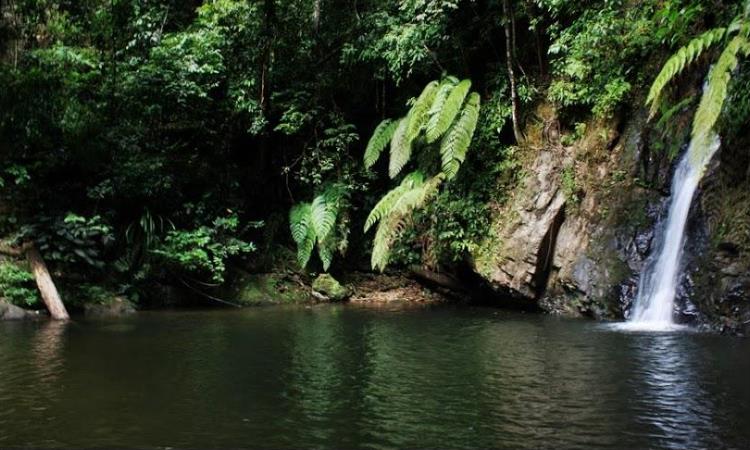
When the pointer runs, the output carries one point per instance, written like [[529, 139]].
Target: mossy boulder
[[327, 288], [257, 289]]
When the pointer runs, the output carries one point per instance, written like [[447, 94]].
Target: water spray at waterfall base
[[654, 303]]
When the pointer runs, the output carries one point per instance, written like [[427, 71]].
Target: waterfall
[[658, 283]]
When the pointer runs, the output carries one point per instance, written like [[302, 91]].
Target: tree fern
[[441, 96], [400, 148], [715, 93], [325, 253], [440, 113], [679, 61], [312, 223], [385, 205], [300, 221], [449, 111], [419, 111], [392, 226], [456, 142], [305, 248], [380, 138], [717, 85], [324, 211]]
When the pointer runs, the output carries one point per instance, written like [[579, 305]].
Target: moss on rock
[[327, 287], [266, 289]]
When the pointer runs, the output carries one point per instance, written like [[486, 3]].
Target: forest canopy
[[144, 141]]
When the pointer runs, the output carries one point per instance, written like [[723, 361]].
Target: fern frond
[[385, 205], [300, 219], [456, 142], [323, 214], [449, 111], [391, 228], [380, 138], [441, 96], [717, 85], [419, 111], [325, 252], [677, 63], [386, 236], [305, 248], [400, 148]]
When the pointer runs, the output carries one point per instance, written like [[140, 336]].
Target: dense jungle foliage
[[150, 142]]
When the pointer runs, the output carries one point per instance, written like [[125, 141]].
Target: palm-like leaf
[[679, 61], [400, 148], [450, 109], [323, 216], [392, 226], [325, 252], [712, 100], [441, 96], [385, 205], [456, 142], [300, 221], [419, 111], [380, 138]]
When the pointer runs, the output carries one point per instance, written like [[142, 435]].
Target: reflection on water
[[669, 396], [339, 377]]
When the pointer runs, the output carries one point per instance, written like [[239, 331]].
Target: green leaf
[[380, 138], [419, 111], [400, 148], [447, 113], [677, 63], [300, 219], [456, 142], [441, 96]]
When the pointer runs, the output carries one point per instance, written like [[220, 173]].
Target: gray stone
[[13, 312]]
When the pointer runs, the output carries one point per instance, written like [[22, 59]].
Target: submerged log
[[45, 284]]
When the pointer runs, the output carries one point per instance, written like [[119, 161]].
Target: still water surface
[[346, 377]]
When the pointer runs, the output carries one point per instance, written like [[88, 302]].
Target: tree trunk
[[47, 288], [511, 75], [316, 16]]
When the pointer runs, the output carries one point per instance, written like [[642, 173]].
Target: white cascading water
[[658, 283]]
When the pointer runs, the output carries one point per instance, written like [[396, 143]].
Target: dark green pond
[[345, 377]]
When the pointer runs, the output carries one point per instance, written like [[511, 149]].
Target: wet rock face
[[585, 257], [521, 263]]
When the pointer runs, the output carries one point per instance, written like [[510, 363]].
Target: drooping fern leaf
[[312, 223], [419, 111], [712, 100], [679, 61], [324, 213], [385, 205], [400, 148], [380, 138], [325, 253], [303, 233], [305, 248], [441, 96], [392, 226], [450, 109], [456, 142], [300, 221], [385, 238]]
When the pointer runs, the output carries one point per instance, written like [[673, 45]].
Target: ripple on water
[[334, 377]]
